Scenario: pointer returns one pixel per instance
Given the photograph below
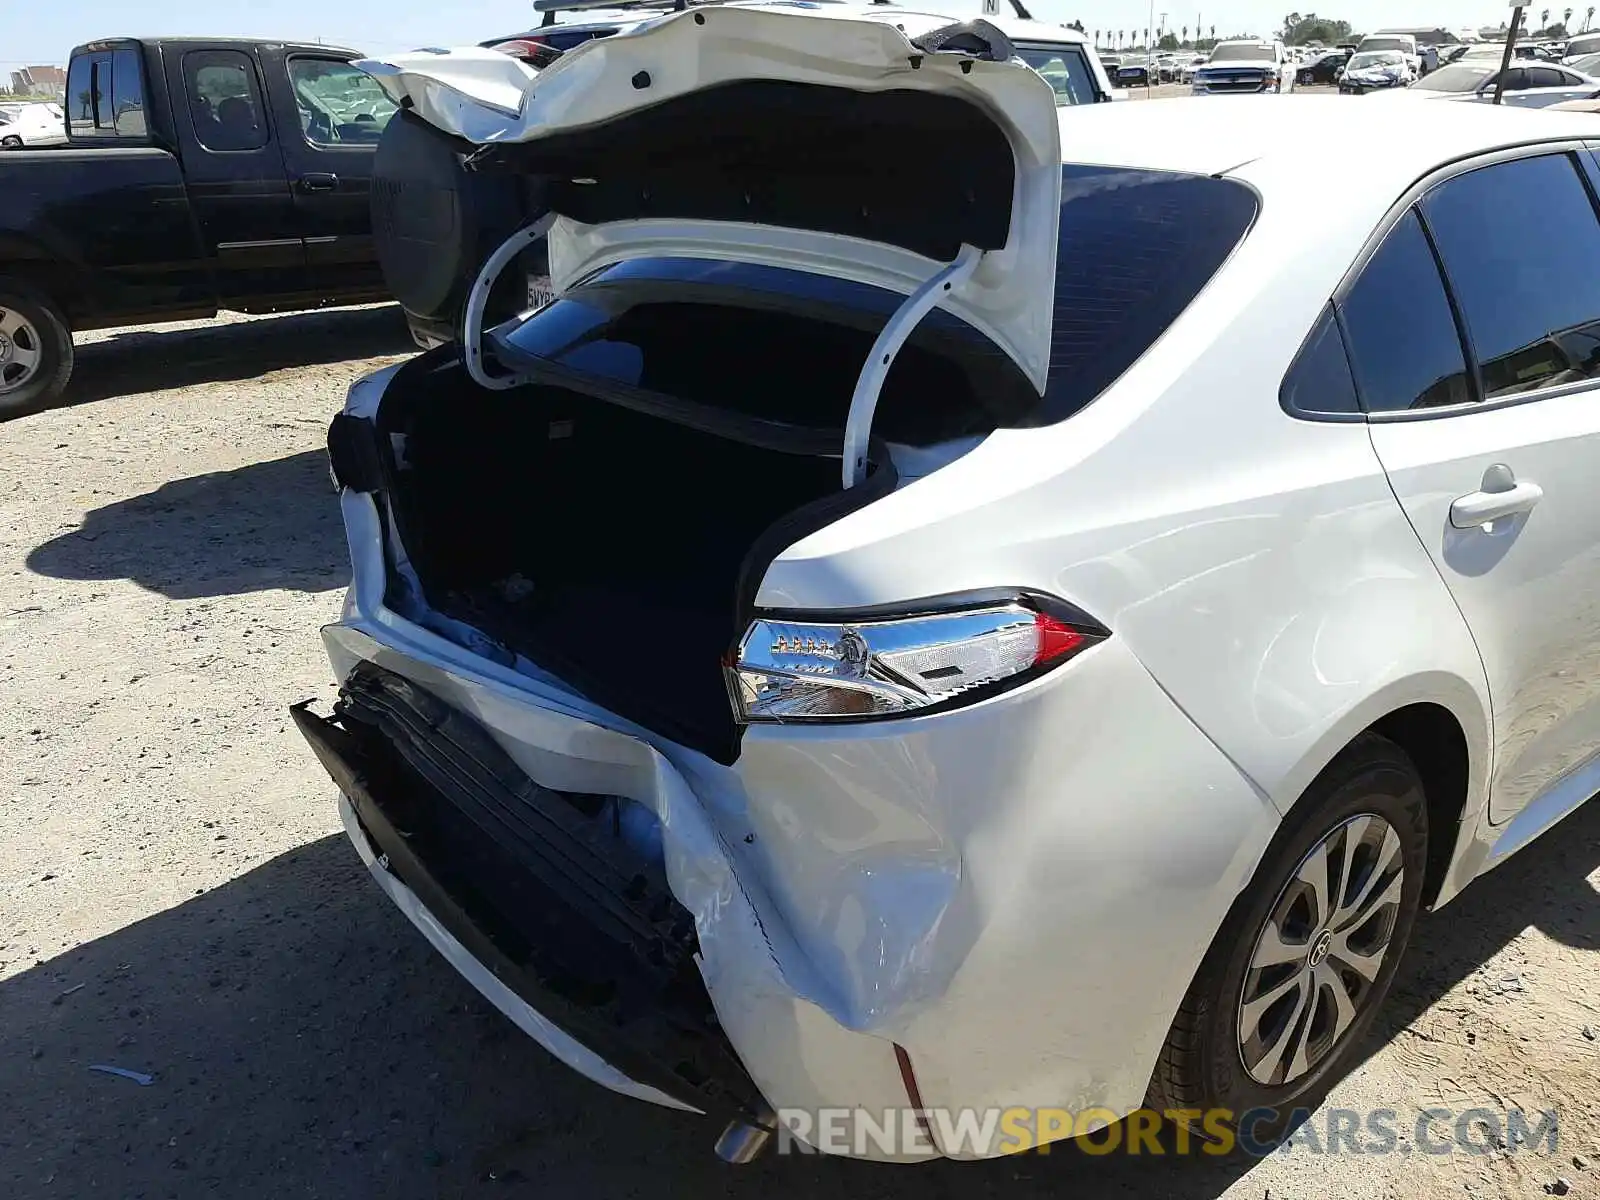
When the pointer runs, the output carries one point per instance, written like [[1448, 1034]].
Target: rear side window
[[1543, 77], [1531, 305], [225, 100], [1320, 380], [1404, 346], [1135, 249]]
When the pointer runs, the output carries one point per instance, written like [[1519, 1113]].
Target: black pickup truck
[[198, 176]]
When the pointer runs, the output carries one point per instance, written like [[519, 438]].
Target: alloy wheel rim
[[1318, 955], [21, 350]]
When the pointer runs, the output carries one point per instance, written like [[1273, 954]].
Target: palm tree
[[1185, 33], [1589, 19], [1566, 20], [1544, 20], [1213, 33]]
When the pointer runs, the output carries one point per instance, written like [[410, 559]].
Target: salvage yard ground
[[176, 900]]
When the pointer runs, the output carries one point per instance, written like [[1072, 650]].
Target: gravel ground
[[176, 899]]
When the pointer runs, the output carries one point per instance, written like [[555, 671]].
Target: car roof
[[1399, 141], [112, 43]]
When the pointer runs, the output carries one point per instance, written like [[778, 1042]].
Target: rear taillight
[[801, 670]]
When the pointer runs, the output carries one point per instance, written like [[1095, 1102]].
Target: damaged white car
[[878, 639]]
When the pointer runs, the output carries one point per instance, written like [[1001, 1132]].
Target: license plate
[[540, 292]]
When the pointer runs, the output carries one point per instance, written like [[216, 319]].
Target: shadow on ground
[[1545, 887], [152, 360], [272, 524], [306, 1042]]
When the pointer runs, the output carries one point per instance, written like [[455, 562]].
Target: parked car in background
[[1190, 67], [1405, 43], [925, 684], [1376, 70], [33, 125], [1324, 69], [1588, 64], [1244, 68], [199, 175], [1527, 84], [1136, 71], [1582, 46]]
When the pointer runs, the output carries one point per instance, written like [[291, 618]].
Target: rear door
[[332, 115], [233, 165], [1483, 388]]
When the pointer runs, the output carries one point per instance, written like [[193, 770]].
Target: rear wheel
[[1279, 1007], [35, 350], [11, 142]]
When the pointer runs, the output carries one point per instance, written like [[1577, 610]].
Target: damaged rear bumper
[[526, 892], [709, 1022]]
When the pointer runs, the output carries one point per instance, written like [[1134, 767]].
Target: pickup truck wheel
[[35, 351], [11, 142]]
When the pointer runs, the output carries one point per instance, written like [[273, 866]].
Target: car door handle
[[1481, 508], [319, 181]]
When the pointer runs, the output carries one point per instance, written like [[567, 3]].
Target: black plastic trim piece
[[353, 453]]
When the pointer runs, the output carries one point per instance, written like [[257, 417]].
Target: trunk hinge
[[906, 318], [478, 302]]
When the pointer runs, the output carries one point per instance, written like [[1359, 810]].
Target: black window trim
[[305, 136], [1411, 199]]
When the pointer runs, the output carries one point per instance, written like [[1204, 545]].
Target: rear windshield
[[1388, 43], [1135, 249]]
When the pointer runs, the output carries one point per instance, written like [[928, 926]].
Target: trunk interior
[[611, 522], [602, 544]]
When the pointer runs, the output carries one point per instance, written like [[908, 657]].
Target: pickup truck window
[[127, 94], [339, 105], [105, 95], [1066, 70], [225, 100]]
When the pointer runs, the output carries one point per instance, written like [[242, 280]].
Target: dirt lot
[[174, 897]]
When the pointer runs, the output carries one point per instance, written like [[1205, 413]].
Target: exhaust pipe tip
[[742, 1142]]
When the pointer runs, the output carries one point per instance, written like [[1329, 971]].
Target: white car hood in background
[[489, 98]]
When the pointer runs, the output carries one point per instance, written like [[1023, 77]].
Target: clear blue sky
[[43, 31]]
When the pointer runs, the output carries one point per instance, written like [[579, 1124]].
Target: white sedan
[[37, 125], [1527, 84], [1121, 650]]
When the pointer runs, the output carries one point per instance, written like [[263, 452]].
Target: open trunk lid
[[832, 144]]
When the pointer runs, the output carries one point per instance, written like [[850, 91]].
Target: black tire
[[49, 379], [1202, 1063], [11, 142]]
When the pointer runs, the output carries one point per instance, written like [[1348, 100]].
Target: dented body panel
[[855, 888]]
